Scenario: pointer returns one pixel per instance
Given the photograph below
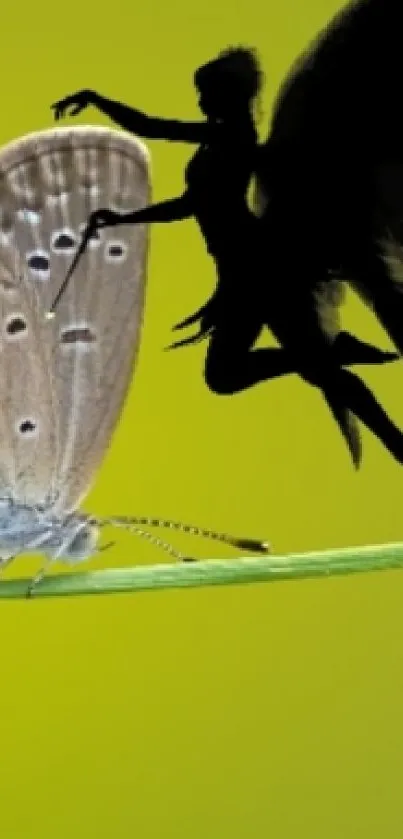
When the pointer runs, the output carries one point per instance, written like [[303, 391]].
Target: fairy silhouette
[[328, 210]]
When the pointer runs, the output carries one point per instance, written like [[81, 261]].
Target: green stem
[[214, 572]]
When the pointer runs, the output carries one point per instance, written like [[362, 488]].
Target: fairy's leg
[[228, 370], [344, 392], [233, 366], [350, 350], [319, 365], [362, 402]]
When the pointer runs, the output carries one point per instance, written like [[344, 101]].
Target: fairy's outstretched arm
[[150, 128], [174, 209]]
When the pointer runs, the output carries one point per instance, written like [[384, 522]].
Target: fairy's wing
[[63, 381], [341, 99], [332, 165]]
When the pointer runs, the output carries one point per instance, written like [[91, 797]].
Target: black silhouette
[[329, 207]]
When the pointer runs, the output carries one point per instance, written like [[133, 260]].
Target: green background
[[270, 710]]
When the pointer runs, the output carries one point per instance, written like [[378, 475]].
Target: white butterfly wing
[[28, 421], [77, 367]]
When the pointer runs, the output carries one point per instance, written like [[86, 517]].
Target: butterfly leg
[[36, 543], [38, 577], [5, 561]]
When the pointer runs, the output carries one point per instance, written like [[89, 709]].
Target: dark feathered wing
[[331, 169], [334, 154]]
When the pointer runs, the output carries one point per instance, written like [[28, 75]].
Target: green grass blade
[[213, 572]]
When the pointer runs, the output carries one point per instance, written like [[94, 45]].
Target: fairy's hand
[[77, 102], [103, 218]]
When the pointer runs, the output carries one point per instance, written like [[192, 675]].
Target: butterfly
[[64, 380]]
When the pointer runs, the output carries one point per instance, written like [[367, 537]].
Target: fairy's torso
[[217, 179]]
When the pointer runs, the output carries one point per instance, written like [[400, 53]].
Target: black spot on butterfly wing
[[27, 426], [75, 335], [39, 264], [115, 251], [16, 325], [64, 242]]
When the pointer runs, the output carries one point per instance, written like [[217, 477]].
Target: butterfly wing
[[28, 420], [76, 368]]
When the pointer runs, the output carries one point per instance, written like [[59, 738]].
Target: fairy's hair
[[235, 68]]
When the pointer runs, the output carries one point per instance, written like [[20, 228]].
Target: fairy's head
[[229, 83]]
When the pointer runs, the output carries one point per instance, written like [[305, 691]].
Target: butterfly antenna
[[81, 250], [242, 543], [131, 526]]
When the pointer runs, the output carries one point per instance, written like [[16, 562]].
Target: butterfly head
[[82, 544]]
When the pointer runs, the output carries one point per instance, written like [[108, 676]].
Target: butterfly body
[[25, 530]]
